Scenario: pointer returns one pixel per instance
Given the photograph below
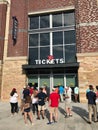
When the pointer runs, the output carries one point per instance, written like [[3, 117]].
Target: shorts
[[67, 105], [53, 109], [27, 110], [41, 108]]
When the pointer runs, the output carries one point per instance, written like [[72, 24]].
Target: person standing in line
[[27, 111], [61, 92], [26, 92], [97, 98], [22, 99], [14, 101], [88, 89], [91, 97], [68, 100], [34, 102], [76, 93], [54, 100], [42, 97]]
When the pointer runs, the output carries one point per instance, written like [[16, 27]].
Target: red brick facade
[[86, 19]]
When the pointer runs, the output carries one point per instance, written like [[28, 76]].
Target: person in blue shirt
[[61, 92]]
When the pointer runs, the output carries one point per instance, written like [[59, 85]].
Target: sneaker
[[26, 124], [12, 115], [89, 122], [70, 115], [49, 123], [32, 124], [55, 121], [43, 117], [38, 118], [95, 121]]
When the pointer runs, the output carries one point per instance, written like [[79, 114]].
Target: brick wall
[[13, 76], [87, 26], [18, 9], [88, 72], [39, 5]]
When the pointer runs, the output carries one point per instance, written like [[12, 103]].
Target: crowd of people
[[33, 102]]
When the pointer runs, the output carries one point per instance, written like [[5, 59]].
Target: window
[[44, 21], [34, 22], [33, 40], [69, 19], [57, 38], [52, 34], [44, 39], [57, 20]]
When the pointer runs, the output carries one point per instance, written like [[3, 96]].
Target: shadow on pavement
[[81, 112], [62, 111]]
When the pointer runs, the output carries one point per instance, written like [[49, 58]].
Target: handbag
[[26, 105]]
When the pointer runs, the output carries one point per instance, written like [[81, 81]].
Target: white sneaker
[[32, 124], [26, 124]]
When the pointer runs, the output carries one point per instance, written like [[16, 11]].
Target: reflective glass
[[69, 37], [44, 39], [57, 38], [33, 55], [44, 52], [57, 20], [33, 40], [34, 22], [69, 19], [44, 21], [70, 53], [58, 52]]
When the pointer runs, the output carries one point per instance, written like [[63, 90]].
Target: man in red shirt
[[54, 99]]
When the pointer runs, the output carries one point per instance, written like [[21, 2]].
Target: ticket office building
[[52, 49]]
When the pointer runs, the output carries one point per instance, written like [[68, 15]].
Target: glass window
[[44, 52], [33, 55], [33, 40], [57, 38], [32, 79], [70, 53], [57, 20], [58, 52], [45, 79], [58, 80], [69, 19], [44, 21], [34, 22], [71, 80], [69, 37], [44, 39], [61, 40]]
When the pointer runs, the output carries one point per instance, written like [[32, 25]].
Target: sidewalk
[[77, 122]]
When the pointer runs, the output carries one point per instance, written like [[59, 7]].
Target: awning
[[43, 68]]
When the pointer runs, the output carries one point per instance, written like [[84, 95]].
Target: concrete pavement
[[77, 122]]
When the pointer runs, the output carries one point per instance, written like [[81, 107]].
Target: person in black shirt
[[26, 92], [42, 97], [91, 96]]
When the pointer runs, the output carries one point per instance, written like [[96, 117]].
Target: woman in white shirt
[[14, 101]]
